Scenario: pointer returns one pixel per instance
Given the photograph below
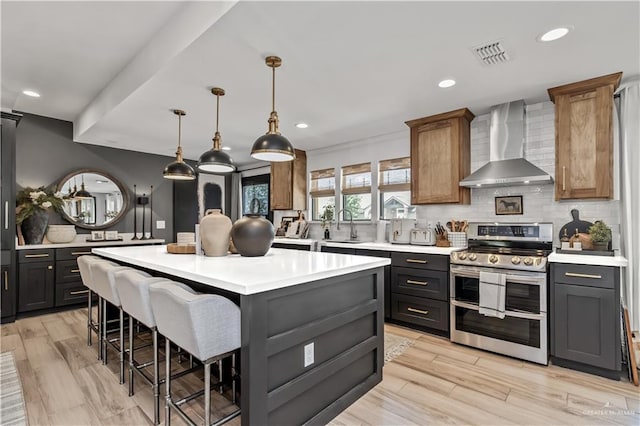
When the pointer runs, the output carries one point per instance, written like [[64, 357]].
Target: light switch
[[308, 354], [160, 224]]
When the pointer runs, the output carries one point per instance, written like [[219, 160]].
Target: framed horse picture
[[509, 205]]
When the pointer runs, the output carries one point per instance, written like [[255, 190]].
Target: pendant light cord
[[179, 131], [273, 89], [217, 111]]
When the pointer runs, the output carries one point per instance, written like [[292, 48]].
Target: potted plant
[[32, 211], [600, 235], [327, 217]]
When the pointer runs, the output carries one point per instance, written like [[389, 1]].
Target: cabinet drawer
[[341, 250], [71, 253], [420, 311], [71, 293], [585, 275], [302, 247], [373, 253], [67, 271], [419, 260], [44, 255], [420, 283]]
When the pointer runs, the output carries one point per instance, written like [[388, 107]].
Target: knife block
[[442, 240]]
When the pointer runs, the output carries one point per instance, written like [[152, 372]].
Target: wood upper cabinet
[[584, 137], [440, 157], [288, 187]]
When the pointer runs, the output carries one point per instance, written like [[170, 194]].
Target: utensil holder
[[458, 239]]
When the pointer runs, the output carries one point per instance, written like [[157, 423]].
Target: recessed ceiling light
[[31, 93], [447, 83], [554, 34], [226, 148], [302, 125]]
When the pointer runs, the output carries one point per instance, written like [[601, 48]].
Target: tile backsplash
[[539, 204]]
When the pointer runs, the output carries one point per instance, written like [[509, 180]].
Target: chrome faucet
[[353, 234]]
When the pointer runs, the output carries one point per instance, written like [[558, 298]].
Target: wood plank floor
[[433, 382]]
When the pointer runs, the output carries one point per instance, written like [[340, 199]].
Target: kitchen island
[[312, 325]]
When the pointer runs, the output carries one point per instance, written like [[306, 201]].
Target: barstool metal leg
[[104, 331], [131, 367], [156, 379], [99, 327], [233, 378], [207, 393], [220, 385], [121, 345], [167, 383], [89, 319]]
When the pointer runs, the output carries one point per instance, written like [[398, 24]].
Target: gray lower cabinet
[[35, 285], [303, 247], [585, 326], [420, 291]]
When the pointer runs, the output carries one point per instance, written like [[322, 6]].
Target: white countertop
[[297, 241], [279, 268], [585, 259], [90, 244], [445, 251]]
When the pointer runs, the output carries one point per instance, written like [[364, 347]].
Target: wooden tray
[[181, 249]]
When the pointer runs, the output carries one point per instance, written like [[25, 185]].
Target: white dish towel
[[492, 294]]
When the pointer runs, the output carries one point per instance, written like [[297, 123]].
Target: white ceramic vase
[[215, 229]]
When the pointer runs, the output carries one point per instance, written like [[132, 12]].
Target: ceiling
[[352, 70]]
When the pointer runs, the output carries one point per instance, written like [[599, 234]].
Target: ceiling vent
[[492, 53]]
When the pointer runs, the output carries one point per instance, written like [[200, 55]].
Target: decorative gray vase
[[252, 235], [34, 227]]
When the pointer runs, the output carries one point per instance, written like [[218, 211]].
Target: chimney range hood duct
[[506, 166]]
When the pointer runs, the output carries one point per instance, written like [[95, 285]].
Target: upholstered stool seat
[[205, 325]]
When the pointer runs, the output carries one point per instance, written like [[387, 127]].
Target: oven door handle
[[518, 279], [524, 315]]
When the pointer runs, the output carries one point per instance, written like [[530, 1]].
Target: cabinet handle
[[6, 280], [50, 267], [417, 282], [564, 178], [416, 261], [575, 274], [73, 293], [75, 270], [6, 215], [78, 253], [36, 255], [418, 311]]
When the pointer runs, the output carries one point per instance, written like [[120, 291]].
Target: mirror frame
[[123, 190]]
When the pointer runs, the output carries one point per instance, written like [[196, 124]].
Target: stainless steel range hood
[[506, 166]]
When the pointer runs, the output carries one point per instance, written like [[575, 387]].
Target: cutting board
[[581, 225]]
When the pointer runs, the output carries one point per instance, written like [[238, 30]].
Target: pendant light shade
[[83, 194], [273, 146], [179, 170], [216, 161]]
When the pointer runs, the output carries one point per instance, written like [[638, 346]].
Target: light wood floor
[[433, 382]]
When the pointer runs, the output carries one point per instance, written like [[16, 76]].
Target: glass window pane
[[318, 205], [357, 180], [358, 204], [253, 196], [396, 205], [393, 177]]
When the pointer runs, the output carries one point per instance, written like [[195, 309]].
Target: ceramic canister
[[215, 229], [252, 235]]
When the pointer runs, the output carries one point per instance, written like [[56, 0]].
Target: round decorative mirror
[[93, 199]]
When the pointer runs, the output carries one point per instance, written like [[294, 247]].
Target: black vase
[[34, 227], [252, 235]]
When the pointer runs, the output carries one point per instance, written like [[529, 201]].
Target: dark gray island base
[[335, 311], [342, 317]]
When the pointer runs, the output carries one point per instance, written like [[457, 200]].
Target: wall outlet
[[160, 224], [308, 354]]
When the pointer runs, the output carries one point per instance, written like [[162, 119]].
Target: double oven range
[[518, 251]]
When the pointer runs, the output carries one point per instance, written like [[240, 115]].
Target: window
[[255, 195], [323, 183], [356, 191], [394, 184]]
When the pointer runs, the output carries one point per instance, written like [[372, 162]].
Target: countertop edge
[[91, 244], [578, 259]]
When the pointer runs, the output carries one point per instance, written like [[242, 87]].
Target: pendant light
[[83, 194], [179, 170], [215, 160], [273, 146]]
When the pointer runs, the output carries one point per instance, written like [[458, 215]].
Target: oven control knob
[[454, 256], [462, 256], [515, 260], [473, 257], [528, 261], [493, 258]]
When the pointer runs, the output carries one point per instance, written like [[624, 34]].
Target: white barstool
[[205, 325], [133, 289], [104, 279], [84, 265]]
